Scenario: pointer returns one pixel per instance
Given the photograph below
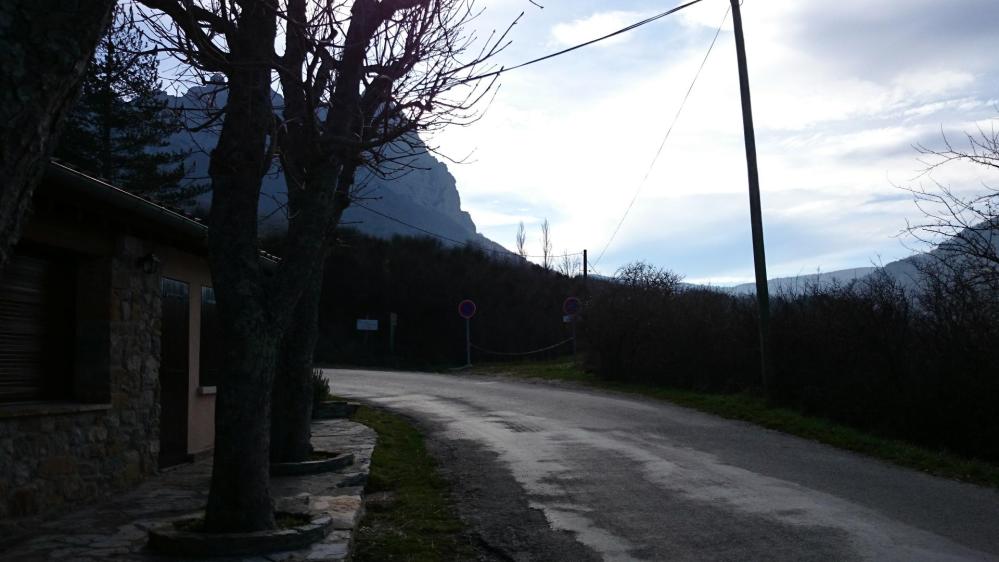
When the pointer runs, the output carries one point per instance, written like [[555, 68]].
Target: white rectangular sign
[[365, 325]]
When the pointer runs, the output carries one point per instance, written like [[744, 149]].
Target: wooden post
[[756, 214]]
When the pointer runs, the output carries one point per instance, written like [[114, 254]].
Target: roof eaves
[[122, 200]]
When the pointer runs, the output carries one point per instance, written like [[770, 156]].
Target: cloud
[[596, 25], [705, 15], [872, 39], [485, 218], [841, 93]]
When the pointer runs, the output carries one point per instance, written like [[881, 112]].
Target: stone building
[[106, 345]]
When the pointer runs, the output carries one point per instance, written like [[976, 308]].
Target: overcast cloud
[[841, 92]]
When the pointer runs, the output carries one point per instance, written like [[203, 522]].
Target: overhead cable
[[585, 44], [662, 144]]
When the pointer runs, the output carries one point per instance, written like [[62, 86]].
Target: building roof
[[78, 185], [93, 194]]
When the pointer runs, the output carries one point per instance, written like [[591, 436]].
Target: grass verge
[[409, 515], [755, 410]]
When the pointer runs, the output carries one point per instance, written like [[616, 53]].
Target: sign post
[[393, 322], [466, 309], [571, 308]]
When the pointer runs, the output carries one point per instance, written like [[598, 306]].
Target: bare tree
[[546, 245], [40, 76], [521, 241], [252, 307], [413, 84], [569, 264], [645, 276], [356, 78], [962, 229]]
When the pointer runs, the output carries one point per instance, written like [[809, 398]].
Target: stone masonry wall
[[54, 455]]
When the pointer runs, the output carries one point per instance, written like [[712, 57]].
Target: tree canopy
[[120, 127]]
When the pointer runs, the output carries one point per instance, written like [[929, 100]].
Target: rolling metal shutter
[[25, 305]]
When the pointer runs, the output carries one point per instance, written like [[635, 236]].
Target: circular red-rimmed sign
[[571, 306], [466, 309]]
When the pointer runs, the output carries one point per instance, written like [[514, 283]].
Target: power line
[[586, 44], [452, 240], [550, 56], [541, 59], [504, 70], [669, 131], [553, 55]]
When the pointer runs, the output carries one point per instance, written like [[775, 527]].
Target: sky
[[842, 91]]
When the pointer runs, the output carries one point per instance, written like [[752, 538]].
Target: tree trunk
[[291, 417], [291, 423], [239, 499], [45, 46]]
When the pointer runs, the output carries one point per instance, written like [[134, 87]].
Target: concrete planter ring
[[333, 409], [324, 461], [177, 539]]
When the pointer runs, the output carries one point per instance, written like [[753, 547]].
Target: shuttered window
[[36, 320]]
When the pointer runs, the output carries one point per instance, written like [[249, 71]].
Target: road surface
[[620, 478]]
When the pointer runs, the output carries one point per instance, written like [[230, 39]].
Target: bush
[[869, 354], [648, 328], [320, 387], [422, 282]]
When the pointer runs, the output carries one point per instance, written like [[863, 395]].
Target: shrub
[[422, 282], [915, 364], [320, 387]]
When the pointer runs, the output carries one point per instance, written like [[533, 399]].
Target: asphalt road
[[635, 479]]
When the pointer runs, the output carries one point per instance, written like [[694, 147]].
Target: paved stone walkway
[[117, 529]]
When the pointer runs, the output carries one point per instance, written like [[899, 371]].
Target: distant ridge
[[906, 271], [799, 283]]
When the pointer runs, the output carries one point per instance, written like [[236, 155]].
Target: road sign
[[366, 325], [466, 309], [571, 306]]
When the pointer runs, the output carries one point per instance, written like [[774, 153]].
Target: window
[[210, 358], [37, 322]]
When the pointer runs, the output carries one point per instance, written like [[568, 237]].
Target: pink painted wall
[[193, 270]]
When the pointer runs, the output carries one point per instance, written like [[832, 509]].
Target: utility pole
[[756, 214], [586, 267]]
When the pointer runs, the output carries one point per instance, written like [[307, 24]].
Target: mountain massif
[[422, 200]]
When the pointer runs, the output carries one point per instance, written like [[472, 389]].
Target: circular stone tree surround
[[333, 409], [174, 540], [334, 461]]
